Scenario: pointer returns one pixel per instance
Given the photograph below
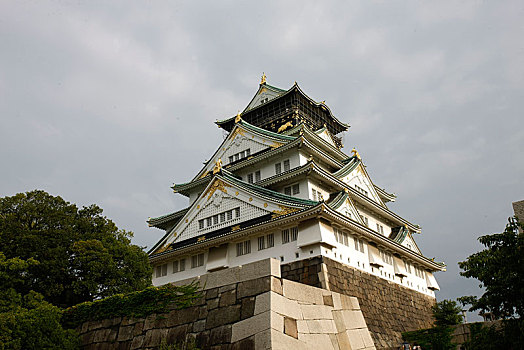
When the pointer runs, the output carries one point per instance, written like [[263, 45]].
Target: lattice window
[[197, 260], [285, 236], [243, 248], [286, 165]]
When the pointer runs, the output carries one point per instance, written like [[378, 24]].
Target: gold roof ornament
[[285, 126], [218, 166], [263, 80], [238, 117], [355, 153]]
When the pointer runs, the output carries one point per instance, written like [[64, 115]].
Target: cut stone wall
[[245, 307], [388, 308]]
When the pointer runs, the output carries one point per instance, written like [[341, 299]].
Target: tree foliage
[[28, 322], [74, 255], [500, 269], [447, 314]]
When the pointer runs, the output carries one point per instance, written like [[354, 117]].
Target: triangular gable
[[410, 243], [355, 175], [344, 205], [264, 94], [233, 202], [326, 136], [242, 142]]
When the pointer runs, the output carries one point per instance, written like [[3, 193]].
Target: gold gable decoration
[[217, 185], [283, 211]]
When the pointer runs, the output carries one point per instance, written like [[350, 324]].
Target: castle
[[280, 186]]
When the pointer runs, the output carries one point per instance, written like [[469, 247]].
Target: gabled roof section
[[164, 222], [311, 169], [264, 94], [254, 138], [402, 235], [386, 196], [226, 193], [335, 125], [343, 203], [328, 137]]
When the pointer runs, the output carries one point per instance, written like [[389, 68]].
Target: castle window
[[380, 229], [243, 248], [261, 243], [285, 236], [386, 257], [296, 189], [257, 176], [218, 218], [294, 233], [250, 178], [161, 270], [286, 165], [278, 168], [197, 260], [239, 155], [408, 267], [179, 265], [287, 190], [317, 196], [359, 245], [270, 240]]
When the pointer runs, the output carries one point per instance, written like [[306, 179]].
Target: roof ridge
[[264, 191]]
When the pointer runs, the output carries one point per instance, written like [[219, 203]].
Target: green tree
[[447, 313], [500, 270], [76, 254], [28, 322]]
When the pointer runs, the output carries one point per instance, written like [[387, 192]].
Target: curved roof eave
[[378, 238], [343, 126]]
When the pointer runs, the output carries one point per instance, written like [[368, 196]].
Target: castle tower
[[280, 186]]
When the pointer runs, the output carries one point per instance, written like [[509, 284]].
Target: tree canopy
[[500, 270], [71, 255]]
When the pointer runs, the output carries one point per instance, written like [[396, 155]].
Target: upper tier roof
[[271, 108]]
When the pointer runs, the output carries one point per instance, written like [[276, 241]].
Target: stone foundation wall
[[246, 307], [388, 308]]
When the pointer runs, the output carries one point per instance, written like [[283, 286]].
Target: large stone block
[[257, 323], [321, 326], [349, 319], [220, 335], [280, 341], [248, 307], [253, 287], [316, 341], [316, 312], [154, 337], [223, 316], [228, 298], [302, 292], [125, 333]]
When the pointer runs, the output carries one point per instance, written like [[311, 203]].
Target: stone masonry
[[245, 307], [388, 308]]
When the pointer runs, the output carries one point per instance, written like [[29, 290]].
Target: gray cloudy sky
[[112, 102]]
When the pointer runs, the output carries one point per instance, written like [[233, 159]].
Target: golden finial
[[238, 117], [355, 153], [323, 102], [263, 80], [218, 166]]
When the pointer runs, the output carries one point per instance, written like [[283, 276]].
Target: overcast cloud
[[112, 102]]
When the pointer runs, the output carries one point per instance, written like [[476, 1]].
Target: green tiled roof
[[338, 200], [266, 192], [266, 132], [351, 164]]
